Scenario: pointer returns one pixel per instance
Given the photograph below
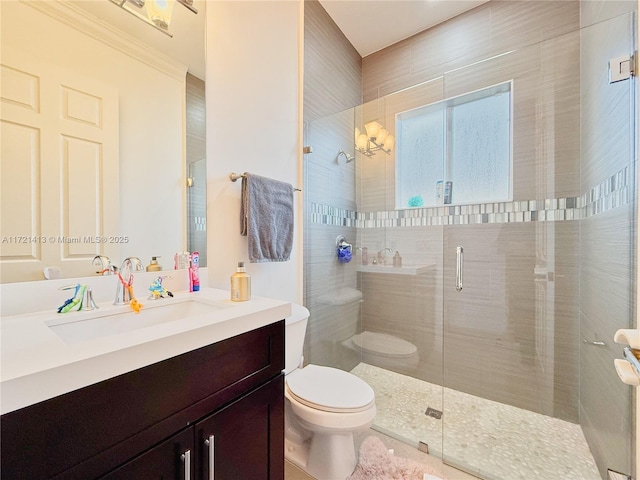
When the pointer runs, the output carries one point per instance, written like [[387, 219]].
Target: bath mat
[[376, 463]]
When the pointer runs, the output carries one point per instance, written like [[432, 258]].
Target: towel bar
[[235, 176]]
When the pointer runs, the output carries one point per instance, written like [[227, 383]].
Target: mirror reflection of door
[[196, 168]]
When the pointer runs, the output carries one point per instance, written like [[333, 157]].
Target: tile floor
[[490, 439], [401, 449]]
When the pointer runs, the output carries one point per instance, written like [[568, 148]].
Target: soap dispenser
[[154, 266], [397, 260], [240, 284]]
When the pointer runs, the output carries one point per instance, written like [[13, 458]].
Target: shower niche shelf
[[391, 270]]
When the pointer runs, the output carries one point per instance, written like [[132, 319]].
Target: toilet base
[[296, 453], [324, 457]]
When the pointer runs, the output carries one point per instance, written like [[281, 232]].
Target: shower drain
[[432, 412]]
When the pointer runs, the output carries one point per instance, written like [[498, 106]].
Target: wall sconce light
[[156, 13], [377, 138]]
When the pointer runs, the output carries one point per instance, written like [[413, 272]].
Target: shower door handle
[[459, 267]]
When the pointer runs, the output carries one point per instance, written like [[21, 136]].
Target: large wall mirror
[[103, 137]]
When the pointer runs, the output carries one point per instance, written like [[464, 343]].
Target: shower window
[[457, 151]]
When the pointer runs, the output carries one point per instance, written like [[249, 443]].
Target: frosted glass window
[[457, 151], [420, 145]]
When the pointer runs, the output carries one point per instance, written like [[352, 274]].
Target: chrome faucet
[[104, 264], [125, 278]]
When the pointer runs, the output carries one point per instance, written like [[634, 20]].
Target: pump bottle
[[154, 266], [240, 284]]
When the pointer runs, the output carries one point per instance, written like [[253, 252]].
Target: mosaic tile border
[[612, 193]]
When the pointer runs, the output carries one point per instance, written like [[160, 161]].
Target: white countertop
[[37, 364]]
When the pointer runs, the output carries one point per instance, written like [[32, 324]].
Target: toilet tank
[[341, 309], [294, 332]]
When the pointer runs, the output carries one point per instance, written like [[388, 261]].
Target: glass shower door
[[400, 334], [536, 286]]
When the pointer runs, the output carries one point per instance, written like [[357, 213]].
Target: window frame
[[447, 105]]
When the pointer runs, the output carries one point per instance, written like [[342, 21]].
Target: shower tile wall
[[531, 285], [332, 86], [497, 344], [523, 345], [606, 260], [490, 29], [511, 335]]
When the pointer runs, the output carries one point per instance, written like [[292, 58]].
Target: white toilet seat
[[384, 345], [329, 390]]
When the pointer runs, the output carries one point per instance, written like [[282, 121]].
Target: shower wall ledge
[[391, 270]]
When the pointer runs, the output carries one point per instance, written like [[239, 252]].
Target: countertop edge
[[29, 389]]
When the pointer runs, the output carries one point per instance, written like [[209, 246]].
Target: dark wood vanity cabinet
[[162, 421]]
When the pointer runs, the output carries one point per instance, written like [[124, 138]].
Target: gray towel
[[266, 218]]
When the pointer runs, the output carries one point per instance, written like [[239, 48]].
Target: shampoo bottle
[[194, 274], [365, 256], [240, 284]]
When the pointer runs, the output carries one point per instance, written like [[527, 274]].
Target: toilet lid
[[383, 344], [329, 389]]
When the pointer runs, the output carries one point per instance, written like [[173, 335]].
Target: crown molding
[[79, 19]]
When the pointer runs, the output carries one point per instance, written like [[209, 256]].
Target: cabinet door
[[171, 459], [244, 440]]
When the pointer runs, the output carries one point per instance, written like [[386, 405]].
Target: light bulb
[[363, 142], [372, 129], [389, 142], [382, 134]]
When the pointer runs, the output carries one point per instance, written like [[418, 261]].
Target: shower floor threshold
[[489, 439]]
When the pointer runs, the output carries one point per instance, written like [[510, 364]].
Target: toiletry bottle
[[448, 192], [181, 260], [397, 260], [194, 274], [154, 266], [240, 284]]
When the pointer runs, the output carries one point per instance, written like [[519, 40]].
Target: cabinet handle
[[209, 442], [459, 267], [186, 459]]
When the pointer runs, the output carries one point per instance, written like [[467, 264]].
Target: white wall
[[253, 124]]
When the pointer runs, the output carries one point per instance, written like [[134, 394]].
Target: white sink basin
[[77, 327]]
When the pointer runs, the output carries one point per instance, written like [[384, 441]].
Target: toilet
[[385, 351], [324, 407], [373, 348]]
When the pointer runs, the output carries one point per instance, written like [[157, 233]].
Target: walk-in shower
[[510, 195]]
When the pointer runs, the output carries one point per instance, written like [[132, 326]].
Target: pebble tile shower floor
[[489, 439]]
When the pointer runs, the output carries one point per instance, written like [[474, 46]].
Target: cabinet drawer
[[90, 431]]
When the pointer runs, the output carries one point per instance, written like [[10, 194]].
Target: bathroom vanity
[[214, 410]]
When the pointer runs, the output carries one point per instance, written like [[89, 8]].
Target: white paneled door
[[59, 169]]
